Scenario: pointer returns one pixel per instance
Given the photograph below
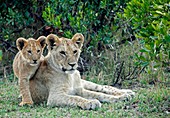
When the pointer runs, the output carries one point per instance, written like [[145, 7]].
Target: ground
[[150, 102]]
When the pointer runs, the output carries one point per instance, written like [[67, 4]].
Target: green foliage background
[[105, 24], [150, 21], [93, 18]]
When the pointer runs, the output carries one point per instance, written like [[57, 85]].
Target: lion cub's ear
[[21, 42], [78, 38], [52, 40], [42, 41]]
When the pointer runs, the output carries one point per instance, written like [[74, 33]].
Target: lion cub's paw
[[128, 91], [125, 97], [26, 103], [91, 104], [122, 97]]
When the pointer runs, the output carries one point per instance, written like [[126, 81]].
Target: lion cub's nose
[[35, 61], [72, 64]]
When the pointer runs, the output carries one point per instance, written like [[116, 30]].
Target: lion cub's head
[[64, 53], [31, 49]]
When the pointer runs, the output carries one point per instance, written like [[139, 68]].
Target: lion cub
[[26, 62]]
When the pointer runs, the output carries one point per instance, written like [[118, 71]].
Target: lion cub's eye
[[29, 51], [75, 51], [38, 51], [63, 53]]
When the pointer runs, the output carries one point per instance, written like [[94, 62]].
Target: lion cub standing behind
[[26, 62]]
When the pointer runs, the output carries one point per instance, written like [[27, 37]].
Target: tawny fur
[[26, 62], [59, 83]]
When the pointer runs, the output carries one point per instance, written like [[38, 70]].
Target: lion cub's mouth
[[34, 64], [68, 70]]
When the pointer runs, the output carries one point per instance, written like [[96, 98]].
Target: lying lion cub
[[58, 81], [26, 62]]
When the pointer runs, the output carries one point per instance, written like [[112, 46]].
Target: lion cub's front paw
[[128, 95], [128, 91], [122, 97], [26, 103], [125, 97], [91, 104]]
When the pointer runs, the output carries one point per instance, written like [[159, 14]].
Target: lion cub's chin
[[34, 64], [70, 72]]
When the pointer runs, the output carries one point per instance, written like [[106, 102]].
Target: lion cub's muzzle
[[72, 64], [71, 68], [34, 63]]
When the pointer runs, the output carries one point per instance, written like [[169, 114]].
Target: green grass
[[151, 102]]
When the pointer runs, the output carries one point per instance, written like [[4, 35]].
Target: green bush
[[95, 19], [15, 15], [104, 23], [150, 20]]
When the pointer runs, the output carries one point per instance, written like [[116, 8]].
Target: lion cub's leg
[[24, 91], [106, 89], [70, 100], [101, 96]]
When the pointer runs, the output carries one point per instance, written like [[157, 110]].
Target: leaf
[[153, 26], [145, 64], [158, 12], [167, 38], [142, 58], [144, 50], [102, 4], [153, 37], [0, 55], [27, 14], [157, 65]]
